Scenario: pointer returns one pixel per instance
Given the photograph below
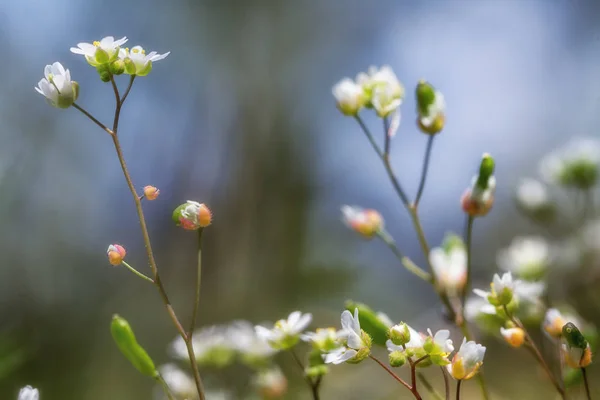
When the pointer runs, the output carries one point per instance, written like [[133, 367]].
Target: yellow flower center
[[96, 43]]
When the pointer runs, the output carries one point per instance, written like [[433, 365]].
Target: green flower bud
[[486, 170], [75, 87], [127, 343], [117, 67], [399, 334], [360, 356], [425, 94], [317, 371], [369, 322], [397, 358], [573, 336], [104, 73]]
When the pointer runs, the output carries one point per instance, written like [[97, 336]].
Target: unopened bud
[[397, 358], [192, 215], [104, 73], [486, 170], [116, 253], [513, 336], [151, 192], [117, 67], [399, 334], [367, 223], [431, 108]]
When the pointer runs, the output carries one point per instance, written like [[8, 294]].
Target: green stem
[[149, 253], [198, 282], [406, 262], [386, 162], [424, 170], [468, 244], [586, 384], [165, 387], [136, 272], [313, 385], [447, 383], [93, 119]]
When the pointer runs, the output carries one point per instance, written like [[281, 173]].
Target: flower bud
[[431, 108], [399, 334], [554, 322], [486, 170], [104, 73], [117, 67], [397, 358], [349, 96], [129, 66], [192, 215], [116, 253], [127, 343], [367, 223], [316, 371], [271, 383], [151, 192], [513, 336]]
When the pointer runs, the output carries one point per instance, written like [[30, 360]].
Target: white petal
[[121, 41], [159, 57], [293, 318], [304, 321]]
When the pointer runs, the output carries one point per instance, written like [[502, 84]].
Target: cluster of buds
[[478, 199], [379, 89]]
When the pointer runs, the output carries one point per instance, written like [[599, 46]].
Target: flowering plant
[[516, 302]]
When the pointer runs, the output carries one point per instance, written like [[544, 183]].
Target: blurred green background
[[240, 116]]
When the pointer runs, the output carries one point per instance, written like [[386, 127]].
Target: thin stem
[[531, 346], [413, 372], [424, 170], [406, 262], [387, 140], [386, 162], [93, 119], [389, 371], [468, 244], [198, 282], [458, 384], [586, 384], [297, 359], [429, 386], [136, 272], [447, 383], [149, 253], [165, 387], [128, 89], [314, 386]]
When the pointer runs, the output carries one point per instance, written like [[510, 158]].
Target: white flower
[[57, 87], [435, 110], [384, 90], [367, 222], [502, 289], [324, 339], [211, 346], [467, 361], [137, 62], [349, 96], [357, 345], [450, 264], [244, 339], [272, 383], [285, 332], [102, 52], [532, 195], [442, 341], [575, 165], [181, 384], [554, 320], [477, 306], [529, 291], [28, 393], [416, 341], [527, 257]]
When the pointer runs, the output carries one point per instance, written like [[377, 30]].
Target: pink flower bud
[[476, 205], [151, 192], [365, 222], [116, 253], [192, 215]]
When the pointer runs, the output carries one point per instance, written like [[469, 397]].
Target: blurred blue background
[[240, 116]]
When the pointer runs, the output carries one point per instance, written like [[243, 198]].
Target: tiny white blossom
[[450, 266], [100, 52], [349, 96], [325, 339], [532, 195], [383, 89], [211, 346], [271, 382], [57, 87], [137, 62], [28, 393], [467, 361], [575, 165], [180, 383], [442, 340], [356, 341], [527, 257], [244, 339], [285, 332]]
